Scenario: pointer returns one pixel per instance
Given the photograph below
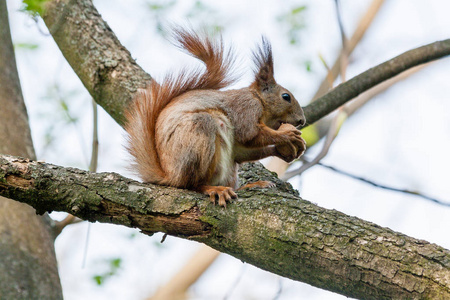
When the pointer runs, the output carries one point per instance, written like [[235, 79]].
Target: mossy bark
[[273, 229]]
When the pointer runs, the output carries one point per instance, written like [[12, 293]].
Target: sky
[[401, 138]]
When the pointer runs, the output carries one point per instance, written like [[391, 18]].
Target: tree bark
[[273, 229], [104, 66], [27, 257]]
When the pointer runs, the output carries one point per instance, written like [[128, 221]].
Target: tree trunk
[[27, 257]]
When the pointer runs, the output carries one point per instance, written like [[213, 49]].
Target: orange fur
[[147, 106]]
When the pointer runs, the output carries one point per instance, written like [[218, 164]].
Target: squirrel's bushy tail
[[148, 104]]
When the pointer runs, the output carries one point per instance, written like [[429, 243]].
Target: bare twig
[[344, 53], [92, 168], [405, 191], [331, 135], [94, 154], [235, 283], [60, 225], [70, 219], [279, 166], [340, 115], [363, 25], [191, 271]]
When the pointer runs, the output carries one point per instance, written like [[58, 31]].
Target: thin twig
[[280, 289], [92, 168], [279, 166], [235, 283], [405, 191], [68, 220], [363, 25], [344, 53], [336, 123], [179, 283], [94, 154], [331, 135]]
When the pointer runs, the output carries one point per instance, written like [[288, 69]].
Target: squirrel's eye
[[286, 97]]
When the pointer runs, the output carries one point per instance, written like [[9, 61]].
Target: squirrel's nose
[[301, 122]]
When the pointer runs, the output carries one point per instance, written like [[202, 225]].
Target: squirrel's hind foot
[[261, 184], [224, 194]]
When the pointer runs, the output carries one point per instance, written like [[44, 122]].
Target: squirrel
[[188, 133]]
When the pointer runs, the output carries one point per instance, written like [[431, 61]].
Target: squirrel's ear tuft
[[262, 57]]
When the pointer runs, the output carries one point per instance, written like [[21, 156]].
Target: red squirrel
[[187, 133]]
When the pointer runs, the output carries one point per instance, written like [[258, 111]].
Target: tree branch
[[104, 66], [358, 84], [272, 229]]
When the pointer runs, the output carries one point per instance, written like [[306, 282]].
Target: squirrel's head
[[280, 106]]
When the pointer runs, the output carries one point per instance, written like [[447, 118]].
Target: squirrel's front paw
[[294, 146], [290, 134], [290, 151]]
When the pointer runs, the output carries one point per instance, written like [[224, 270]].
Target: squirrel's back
[[143, 113]]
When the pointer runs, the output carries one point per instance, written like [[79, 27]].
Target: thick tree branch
[[358, 84], [273, 229], [104, 66]]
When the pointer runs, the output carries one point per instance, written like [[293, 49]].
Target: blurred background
[[399, 137]]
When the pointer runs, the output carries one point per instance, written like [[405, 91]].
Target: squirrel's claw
[[260, 184], [224, 193]]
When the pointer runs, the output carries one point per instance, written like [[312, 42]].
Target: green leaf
[[114, 266], [158, 6], [308, 64], [294, 21], [26, 46], [34, 7], [298, 9], [99, 279], [64, 105], [115, 263]]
